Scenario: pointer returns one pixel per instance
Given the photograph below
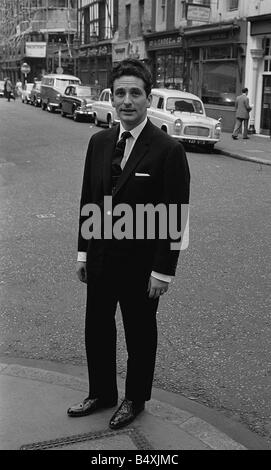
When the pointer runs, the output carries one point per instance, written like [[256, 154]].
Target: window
[[219, 84], [160, 103], [233, 5], [161, 13], [141, 15], [154, 101], [184, 105], [128, 22]]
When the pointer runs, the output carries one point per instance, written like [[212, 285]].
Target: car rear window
[[61, 84], [185, 105]]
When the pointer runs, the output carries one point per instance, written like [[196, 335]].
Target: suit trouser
[[126, 283], [238, 127]]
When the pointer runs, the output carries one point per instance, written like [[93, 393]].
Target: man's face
[[130, 100]]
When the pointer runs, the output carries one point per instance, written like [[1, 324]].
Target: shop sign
[[95, 51], [197, 12], [165, 42], [35, 49]]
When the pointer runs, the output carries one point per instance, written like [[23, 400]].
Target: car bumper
[[81, 112], [195, 140]]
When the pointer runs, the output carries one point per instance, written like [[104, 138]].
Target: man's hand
[[156, 287], [81, 270]]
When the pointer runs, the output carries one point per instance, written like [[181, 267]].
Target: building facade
[[38, 32], [258, 65], [98, 21]]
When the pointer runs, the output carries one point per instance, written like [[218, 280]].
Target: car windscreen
[[61, 83], [85, 91], [185, 105]]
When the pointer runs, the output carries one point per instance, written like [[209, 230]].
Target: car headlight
[[58, 95], [178, 126]]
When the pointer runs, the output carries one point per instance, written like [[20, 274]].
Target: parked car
[[77, 101], [26, 90], [35, 95], [2, 88], [182, 115], [103, 111], [52, 89]]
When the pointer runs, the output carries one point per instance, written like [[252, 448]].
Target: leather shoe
[[234, 137], [126, 413], [88, 406]]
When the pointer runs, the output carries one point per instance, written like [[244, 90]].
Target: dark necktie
[[117, 158]]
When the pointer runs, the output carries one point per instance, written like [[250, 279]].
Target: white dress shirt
[[130, 142]]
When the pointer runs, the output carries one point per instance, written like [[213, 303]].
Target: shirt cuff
[[161, 277], [82, 257]]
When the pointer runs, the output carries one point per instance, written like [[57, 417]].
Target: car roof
[[174, 93], [65, 77]]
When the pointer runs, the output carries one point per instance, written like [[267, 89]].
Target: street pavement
[[35, 396], [33, 417], [255, 149]]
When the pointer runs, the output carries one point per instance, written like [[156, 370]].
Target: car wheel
[[75, 116], [35, 103], [43, 106], [210, 148], [62, 113], [96, 121], [50, 108], [163, 128]]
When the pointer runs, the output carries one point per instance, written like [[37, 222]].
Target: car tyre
[[50, 108], [43, 106], [96, 121], [210, 148], [62, 113], [75, 116]]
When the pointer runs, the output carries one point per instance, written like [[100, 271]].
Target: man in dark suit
[[133, 164], [242, 115]]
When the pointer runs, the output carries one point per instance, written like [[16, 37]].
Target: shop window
[[169, 71], [219, 83]]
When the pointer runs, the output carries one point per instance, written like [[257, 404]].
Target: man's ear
[[149, 101]]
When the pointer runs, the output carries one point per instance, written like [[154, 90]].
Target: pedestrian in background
[[243, 109], [134, 163], [9, 89]]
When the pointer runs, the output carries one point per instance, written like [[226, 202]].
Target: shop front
[[94, 64], [259, 61], [215, 60], [166, 56]]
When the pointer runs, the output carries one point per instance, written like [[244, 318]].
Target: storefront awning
[[260, 25]]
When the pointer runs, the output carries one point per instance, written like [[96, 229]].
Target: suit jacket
[[242, 107], [164, 160]]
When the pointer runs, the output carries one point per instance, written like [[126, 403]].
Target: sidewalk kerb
[[242, 157]]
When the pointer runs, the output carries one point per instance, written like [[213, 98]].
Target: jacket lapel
[[109, 145], [139, 150]]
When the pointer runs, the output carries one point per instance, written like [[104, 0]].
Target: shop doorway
[[266, 106]]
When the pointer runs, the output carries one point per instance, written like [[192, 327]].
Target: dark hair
[[244, 90], [132, 67]]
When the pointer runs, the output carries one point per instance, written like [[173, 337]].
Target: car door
[[152, 111], [102, 107], [107, 106], [75, 101], [65, 99]]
